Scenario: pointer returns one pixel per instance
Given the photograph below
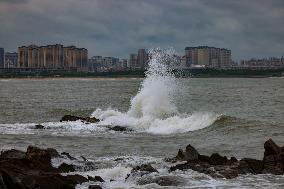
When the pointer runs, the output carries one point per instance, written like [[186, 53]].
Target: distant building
[[142, 58], [133, 61], [272, 62], [138, 61], [104, 64], [2, 57], [11, 60], [208, 56], [53, 57]]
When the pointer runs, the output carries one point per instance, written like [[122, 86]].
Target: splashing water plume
[[153, 108]]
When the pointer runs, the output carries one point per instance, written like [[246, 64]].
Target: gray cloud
[[111, 27]]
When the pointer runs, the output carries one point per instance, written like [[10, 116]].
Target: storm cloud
[[118, 27]]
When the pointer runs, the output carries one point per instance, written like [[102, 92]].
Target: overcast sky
[[250, 28]]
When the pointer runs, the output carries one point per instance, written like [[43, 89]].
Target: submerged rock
[[120, 128], [95, 179], [39, 126], [220, 166], [160, 180]]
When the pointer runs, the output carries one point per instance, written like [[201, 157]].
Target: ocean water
[[231, 116]]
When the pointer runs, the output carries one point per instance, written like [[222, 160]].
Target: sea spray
[[153, 108], [155, 97]]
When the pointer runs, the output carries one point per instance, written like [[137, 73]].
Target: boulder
[[43, 155], [75, 118], [95, 179], [33, 169], [66, 168], [145, 168], [12, 154], [217, 159], [191, 153]]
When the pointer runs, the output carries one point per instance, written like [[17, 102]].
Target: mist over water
[[153, 109]]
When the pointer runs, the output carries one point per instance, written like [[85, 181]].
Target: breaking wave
[[153, 108]]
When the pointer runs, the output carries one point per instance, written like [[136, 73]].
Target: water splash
[[153, 108]]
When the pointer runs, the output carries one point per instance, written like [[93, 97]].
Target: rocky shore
[[33, 168]]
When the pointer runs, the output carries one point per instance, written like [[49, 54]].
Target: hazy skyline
[[117, 28]]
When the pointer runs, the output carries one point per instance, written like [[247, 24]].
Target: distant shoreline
[[186, 73]]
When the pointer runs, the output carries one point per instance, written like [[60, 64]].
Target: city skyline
[[250, 29]]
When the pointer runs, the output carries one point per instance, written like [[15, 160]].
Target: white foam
[[153, 109]]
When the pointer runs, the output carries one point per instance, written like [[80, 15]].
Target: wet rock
[[255, 165], [145, 167], [191, 153], [161, 180], [33, 170], [91, 119], [180, 155], [220, 166], [271, 148], [273, 160], [120, 128], [66, 168], [75, 118], [39, 126], [217, 159], [12, 154], [42, 155], [95, 179], [95, 187]]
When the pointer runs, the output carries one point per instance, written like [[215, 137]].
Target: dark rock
[[233, 159], [145, 167], [161, 180], [42, 155], [33, 170], [70, 118], [95, 179], [219, 166], [120, 128], [39, 126], [83, 119], [66, 168], [91, 119], [255, 165], [271, 148], [12, 154], [273, 160], [180, 155], [191, 153], [217, 159], [204, 158], [95, 187]]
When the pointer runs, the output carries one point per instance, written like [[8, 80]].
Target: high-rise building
[[133, 61], [53, 56], [208, 56], [11, 60], [2, 57], [142, 59]]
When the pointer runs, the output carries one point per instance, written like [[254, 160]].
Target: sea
[[231, 116]]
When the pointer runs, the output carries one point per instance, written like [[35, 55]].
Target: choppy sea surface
[[231, 116]]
